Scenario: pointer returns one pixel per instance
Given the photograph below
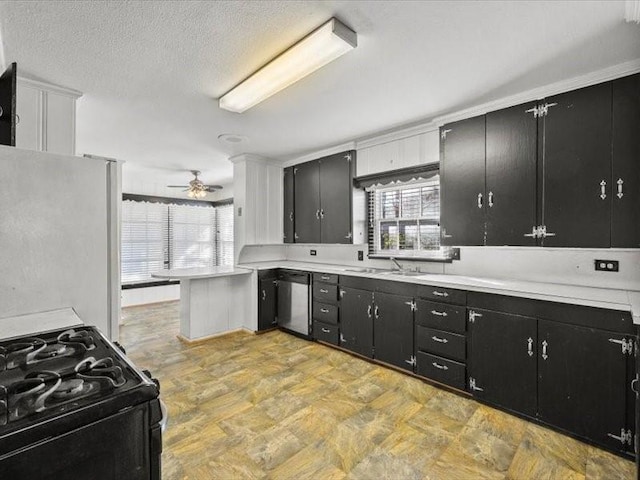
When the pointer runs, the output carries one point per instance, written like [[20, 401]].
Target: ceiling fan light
[[323, 45]]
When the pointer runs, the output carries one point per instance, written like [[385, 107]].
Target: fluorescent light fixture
[[320, 47]]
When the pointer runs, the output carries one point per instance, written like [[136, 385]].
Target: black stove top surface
[[65, 377]]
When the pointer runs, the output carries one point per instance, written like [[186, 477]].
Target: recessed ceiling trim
[[328, 42]]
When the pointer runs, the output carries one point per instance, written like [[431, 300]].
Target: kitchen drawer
[[325, 277], [326, 332], [325, 293], [441, 294], [325, 313], [444, 344], [451, 318], [441, 370]]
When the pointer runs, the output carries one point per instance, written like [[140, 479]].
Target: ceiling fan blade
[[177, 186], [211, 188]]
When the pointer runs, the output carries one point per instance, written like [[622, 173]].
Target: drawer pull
[[369, 311], [264, 295], [326, 330], [323, 277], [324, 310], [440, 294], [439, 367], [324, 290], [440, 314], [439, 340]]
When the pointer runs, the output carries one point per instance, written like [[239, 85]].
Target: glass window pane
[[388, 236], [431, 202], [408, 236], [390, 204], [410, 203], [429, 237]]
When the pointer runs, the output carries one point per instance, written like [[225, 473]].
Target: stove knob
[[154, 380], [120, 347]]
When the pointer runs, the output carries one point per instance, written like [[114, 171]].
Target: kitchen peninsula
[[212, 299]]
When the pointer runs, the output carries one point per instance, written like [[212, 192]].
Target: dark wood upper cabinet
[[336, 183], [8, 88], [288, 220], [307, 202], [462, 182], [511, 176], [576, 168], [625, 181], [322, 194]]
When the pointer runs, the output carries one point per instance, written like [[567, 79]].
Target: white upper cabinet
[[405, 152], [47, 117]]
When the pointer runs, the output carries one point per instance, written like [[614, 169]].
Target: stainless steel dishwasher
[[293, 301]]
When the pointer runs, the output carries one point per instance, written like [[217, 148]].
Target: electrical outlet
[[607, 265], [313, 253], [361, 255]]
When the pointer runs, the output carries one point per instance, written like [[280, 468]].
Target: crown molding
[[320, 153], [592, 78], [49, 87]]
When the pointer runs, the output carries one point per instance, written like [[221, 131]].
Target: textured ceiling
[[151, 71]]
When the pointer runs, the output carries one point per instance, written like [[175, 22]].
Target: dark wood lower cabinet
[[267, 303], [356, 321], [582, 382], [393, 330], [502, 359]]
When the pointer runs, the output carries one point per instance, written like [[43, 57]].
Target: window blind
[[192, 235], [144, 240], [224, 236], [404, 218]]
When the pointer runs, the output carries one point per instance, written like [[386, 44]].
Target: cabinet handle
[[620, 182], [439, 340], [440, 294], [376, 312], [324, 290], [324, 310], [440, 314], [479, 200], [291, 216], [369, 311], [530, 347], [439, 367], [603, 189], [264, 295], [635, 382], [544, 350], [535, 232], [318, 214], [325, 278], [321, 213], [490, 199], [326, 330]]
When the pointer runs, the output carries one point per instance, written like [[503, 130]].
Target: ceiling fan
[[197, 189]]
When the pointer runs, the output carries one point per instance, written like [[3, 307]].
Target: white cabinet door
[[60, 121], [432, 146], [29, 110]]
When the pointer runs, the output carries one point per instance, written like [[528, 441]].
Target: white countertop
[[613, 299], [205, 272]]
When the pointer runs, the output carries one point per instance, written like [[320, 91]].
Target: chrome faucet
[[395, 262]]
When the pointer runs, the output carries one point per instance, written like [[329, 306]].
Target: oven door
[[114, 448]]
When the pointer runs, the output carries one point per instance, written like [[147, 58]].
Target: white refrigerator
[[59, 237]]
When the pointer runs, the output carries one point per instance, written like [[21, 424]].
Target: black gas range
[[73, 406]]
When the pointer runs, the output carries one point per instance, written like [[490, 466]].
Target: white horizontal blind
[[144, 240], [404, 219], [224, 237], [192, 234]]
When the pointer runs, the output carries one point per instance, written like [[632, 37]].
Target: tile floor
[[273, 406]]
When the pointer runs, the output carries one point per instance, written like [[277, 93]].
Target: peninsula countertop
[[201, 272], [614, 299]]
